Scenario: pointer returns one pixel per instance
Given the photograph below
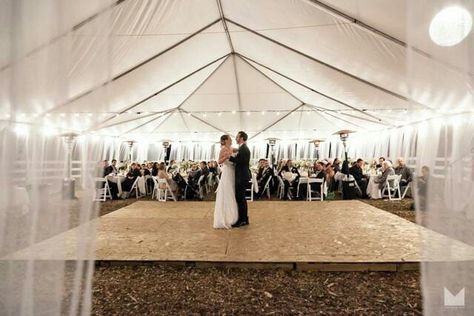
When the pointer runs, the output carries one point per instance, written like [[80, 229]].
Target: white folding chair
[[406, 190], [202, 187], [135, 187], [303, 180], [266, 188], [166, 193], [102, 190], [310, 196], [392, 187], [281, 188], [250, 198], [155, 188]]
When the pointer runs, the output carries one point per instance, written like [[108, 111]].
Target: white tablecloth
[[255, 183], [117, 179], [373, 188]]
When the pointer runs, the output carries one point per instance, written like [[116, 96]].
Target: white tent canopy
[[191, 70]]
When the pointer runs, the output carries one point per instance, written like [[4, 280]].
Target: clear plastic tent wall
[[41, 59], [437, 142], [445, 146]]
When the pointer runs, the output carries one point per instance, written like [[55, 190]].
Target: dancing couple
[[231, 205]]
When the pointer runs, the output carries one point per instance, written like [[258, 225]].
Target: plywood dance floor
[[297, 234]]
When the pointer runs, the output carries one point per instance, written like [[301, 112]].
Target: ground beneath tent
[[164, 290]]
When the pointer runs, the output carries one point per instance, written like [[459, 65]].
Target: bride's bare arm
[[223, 156]]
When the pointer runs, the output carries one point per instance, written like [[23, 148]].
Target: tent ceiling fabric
[[183, 70]]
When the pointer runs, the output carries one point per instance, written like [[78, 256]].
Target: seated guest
[[319, 169], [260, 167], [108, 169], [147, 173], [114, 166], [147, 169], [132, 175], [162, 174], [336, 165], [329, 170], [214, 167], [202, 171], [405, 172], [172, 167], [387, 170], [193, 170], [280, 165], [320, 173], [154, 169], [380, 163], [422, 187], [357, 172], [266, 174], [196, 180], [289, 169]]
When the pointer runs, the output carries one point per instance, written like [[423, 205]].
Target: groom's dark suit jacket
[[242, 160]]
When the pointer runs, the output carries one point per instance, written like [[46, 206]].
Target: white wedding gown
[[225, 212]]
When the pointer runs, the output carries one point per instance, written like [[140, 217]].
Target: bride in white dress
[[226, 213]]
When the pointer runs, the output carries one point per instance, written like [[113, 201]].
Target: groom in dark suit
[[242, 177]]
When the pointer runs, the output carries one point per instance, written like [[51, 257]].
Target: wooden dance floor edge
[[298, 266], [303, 236]]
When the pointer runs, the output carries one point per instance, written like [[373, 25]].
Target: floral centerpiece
[[305, 165]]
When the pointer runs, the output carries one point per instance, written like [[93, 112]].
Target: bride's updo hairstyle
[[224, 138]]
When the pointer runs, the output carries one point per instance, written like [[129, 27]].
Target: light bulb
[[450, 26]]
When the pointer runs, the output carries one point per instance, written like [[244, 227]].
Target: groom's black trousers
[[240, 187]]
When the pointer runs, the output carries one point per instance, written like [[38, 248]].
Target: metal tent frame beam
[[323, 109], [126, 72], [202, 121], [182, 102], [339, 14], [128, 108], [58, 37], [126, 121], [277, 121], [247, 59], [371, 84], [149, 121]]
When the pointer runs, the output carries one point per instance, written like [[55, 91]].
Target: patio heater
[[272, 142], [130, 144], [316, 143], [68, 187], [344, 135], [166, 145]]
